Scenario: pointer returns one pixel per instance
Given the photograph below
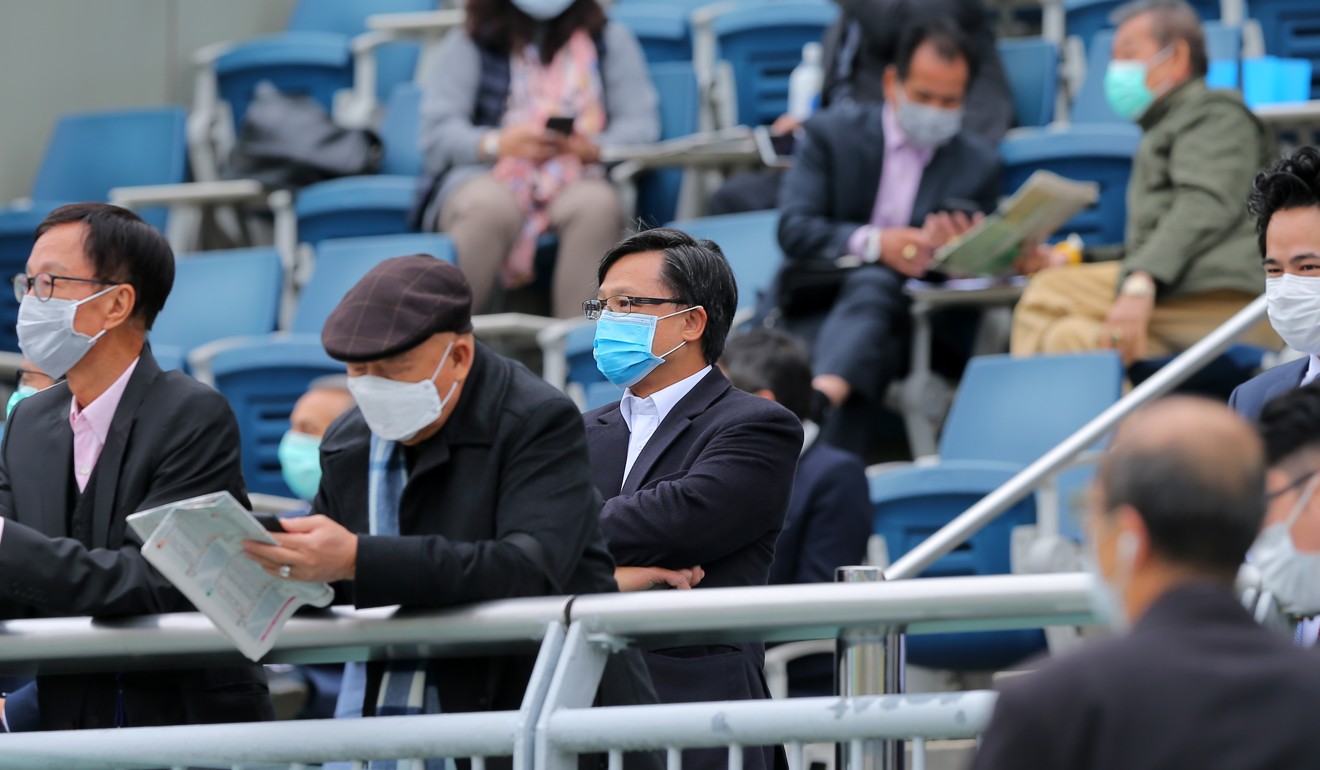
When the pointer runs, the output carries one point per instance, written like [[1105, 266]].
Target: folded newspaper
[[1043, 204], [198, 545]]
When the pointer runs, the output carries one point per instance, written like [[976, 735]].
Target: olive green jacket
[[1188, 224]]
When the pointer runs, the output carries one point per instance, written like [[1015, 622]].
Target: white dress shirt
[[1312, 370], [644, 415]]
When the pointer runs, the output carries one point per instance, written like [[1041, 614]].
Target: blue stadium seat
[[1090, 106], [262, 378], [582, 371], [1032, 65], [378, 204], [245, 283], [1007, 413], [341, 263], [660, 27], [599, 394], [750, 243], [680, 106], [762, 43], [1222, 42], [1292, 30], [88, 155], [1085, 18], [1099, 153]]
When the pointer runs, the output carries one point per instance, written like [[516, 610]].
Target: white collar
[[810, 432], [1312, 370], [664, 399]]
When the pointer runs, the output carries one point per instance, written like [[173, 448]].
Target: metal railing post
[[869, 661]]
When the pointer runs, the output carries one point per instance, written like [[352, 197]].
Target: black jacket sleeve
[[807, 229]]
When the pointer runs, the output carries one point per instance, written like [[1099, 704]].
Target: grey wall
[[60, 56]]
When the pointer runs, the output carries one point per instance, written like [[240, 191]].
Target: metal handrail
[[971, 521]]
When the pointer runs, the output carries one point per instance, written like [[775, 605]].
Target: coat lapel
[[932, 185], [608, 442], [111, 460], [679, 418], [870, 163], [55, 427]]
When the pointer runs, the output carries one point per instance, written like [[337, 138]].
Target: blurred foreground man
[[459, 477], [117, 436], [1197, 683]]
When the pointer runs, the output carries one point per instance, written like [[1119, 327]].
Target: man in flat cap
[[459, 477]]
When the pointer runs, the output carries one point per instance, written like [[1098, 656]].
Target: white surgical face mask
[[1293, 304], [926, 126], [397, 411], [46, 334], [1292, 576], [542, 10]]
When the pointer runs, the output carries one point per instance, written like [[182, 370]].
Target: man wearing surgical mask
[[1178, 500], [882, 185], [299, 453], [30, 380], [458, 477], [1186, 263], [1286, 203]]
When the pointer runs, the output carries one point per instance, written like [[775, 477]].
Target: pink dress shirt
[[91, 425], [900, 177]]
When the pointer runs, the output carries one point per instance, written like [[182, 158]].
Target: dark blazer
[[1250, 397], [831, 189], [710, 488], [829, 517], [1196, 684], [171, 438], [498, 504]]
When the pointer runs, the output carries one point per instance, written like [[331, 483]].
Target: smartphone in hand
[[560, 124]]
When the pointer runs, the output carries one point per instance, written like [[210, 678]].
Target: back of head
[[1290, 428], [1290, 183], [122, 248], [1172, 22], [765, 359], [695, 271], [1194, 472]]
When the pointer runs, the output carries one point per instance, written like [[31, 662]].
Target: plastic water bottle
[[805, 82]]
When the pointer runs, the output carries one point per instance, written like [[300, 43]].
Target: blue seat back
[[341, 263], [762, 44], [262, 380], [220, 294], [582, 369], [1292, 30], [1097, 153], [1091, 106], [312, 64], [680, 100], [751, 244], [17, 227], [1085, 18], [1032, 65], [599, 394], [395, 62], [399, 130], [91, 153], [1222, 42], [660, 27]]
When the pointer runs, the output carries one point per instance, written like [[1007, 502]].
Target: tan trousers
[[1063, 311], [484, 220]]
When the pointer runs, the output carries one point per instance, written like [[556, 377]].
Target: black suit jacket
[[829, 517], [1250, 397], [1197, 684], [831, 189], [710, 488], [171, 438], [498, 504]]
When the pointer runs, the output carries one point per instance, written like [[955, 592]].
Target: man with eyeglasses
[[696, 474], [116, 436]]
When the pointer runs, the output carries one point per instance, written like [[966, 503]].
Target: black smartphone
[[560, 124], [270, 521]]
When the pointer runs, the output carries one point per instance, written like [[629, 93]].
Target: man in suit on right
[[1178, 500], [1286, 203], [878, 183]]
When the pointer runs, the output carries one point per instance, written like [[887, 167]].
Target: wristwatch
[[871, 251], [1138, 285], [490, 145]]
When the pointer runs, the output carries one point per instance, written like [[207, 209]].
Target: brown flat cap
[[397, 306]]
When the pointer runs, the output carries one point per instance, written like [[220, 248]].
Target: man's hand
[[1127, 326], [907, 250], [583, 147], [1034, 258], [944, 226], [315, 548], [532, 142], [644, 578], [785, 124]]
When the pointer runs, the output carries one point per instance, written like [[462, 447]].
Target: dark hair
[[949, 42], [1171, 21], [500, 26], [695, 271], [1290, 424], [766, 359], [124, 249], [1201, 511], [1290, 183]]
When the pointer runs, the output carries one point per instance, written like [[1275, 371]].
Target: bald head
[[1194, 471]]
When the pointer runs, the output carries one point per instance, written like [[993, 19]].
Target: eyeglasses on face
[[43, 284], [621, 303]]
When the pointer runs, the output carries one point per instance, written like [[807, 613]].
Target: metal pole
[[869, 661], [971, 521]]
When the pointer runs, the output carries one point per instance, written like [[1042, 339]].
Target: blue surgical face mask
[[623, 346], [542, 10], [300, 463], [23, 392]]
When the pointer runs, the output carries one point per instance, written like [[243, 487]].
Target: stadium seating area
[[714, 67]]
